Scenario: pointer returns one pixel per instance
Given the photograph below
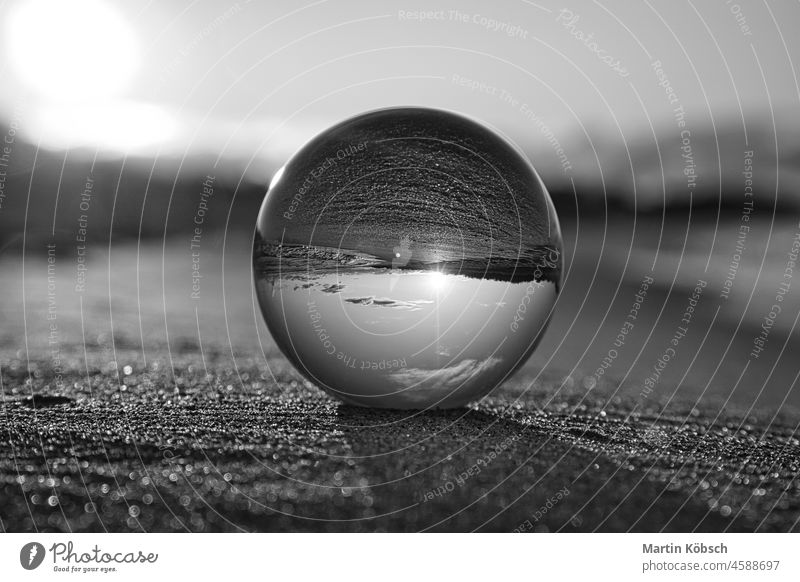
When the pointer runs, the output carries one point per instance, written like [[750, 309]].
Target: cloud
[[421, 381], [385, 302]]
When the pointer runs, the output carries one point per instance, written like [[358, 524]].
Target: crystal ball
[[407, 258]]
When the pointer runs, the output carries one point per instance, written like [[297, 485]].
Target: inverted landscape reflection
[[407, 258]]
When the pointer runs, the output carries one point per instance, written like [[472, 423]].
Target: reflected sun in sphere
[[437, 281]]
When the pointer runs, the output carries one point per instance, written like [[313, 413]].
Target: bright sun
[[437, 281], [71, 51], [78, 59]]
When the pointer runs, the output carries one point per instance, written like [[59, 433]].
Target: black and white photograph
[[336, 267]]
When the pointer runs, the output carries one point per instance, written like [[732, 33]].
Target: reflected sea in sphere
[[407, 258]]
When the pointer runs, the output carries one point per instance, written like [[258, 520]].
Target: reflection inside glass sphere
[[407, 258]]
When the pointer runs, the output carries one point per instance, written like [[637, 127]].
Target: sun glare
[[116, 125], [78, 60], [68, 51], [437, 281]]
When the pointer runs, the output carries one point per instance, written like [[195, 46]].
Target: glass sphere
[[407, 258]]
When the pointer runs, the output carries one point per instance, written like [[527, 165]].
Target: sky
[[255, 80]]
